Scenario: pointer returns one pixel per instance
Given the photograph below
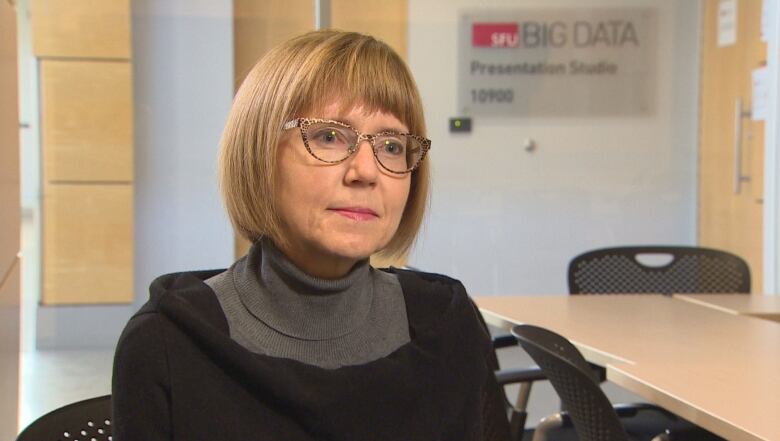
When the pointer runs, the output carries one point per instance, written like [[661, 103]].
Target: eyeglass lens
[[333, 143]]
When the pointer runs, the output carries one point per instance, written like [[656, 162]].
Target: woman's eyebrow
[[393, 128], [351, 123], [397, 129]]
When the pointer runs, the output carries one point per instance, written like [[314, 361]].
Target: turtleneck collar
[[285, 298]]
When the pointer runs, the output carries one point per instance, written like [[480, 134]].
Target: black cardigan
[[178, 375]]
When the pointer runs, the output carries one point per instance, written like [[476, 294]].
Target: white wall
[[183, 80], [772, 163], [30, 159], [505, 221]]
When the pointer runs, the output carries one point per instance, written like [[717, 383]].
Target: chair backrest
[[572, 378], [83, 420], [689, 270]]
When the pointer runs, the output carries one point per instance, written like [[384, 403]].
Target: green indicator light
[[460, 125]]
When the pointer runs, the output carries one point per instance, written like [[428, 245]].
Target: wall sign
[[727, 23], [557, 62], [760, 94]]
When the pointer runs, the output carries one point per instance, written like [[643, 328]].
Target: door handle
[[739, 115]]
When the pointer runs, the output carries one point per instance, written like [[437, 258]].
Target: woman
[[322, 165]]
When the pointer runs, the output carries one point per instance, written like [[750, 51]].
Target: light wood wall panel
[[10, 327], [88, 244], [384, 19], [81, 28], [84, 51], [260, 25], [87, 120]]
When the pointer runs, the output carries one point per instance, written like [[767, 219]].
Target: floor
[[51, 379]]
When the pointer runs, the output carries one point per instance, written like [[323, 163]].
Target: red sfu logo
[[495, 35]]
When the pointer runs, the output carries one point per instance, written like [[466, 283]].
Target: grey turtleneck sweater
[[273, 308]]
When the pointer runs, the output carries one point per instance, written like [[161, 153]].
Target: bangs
[[364, 73]]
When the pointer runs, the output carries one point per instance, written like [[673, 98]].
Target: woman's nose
[[362, 165]]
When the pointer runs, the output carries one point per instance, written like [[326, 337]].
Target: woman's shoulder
[[431, 297], [437, 284], [187, 284], [177, 296]]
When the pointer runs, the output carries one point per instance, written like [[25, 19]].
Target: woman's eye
[[392, 147], [328, 136]]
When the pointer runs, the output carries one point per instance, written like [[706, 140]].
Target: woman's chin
[[355, 248]]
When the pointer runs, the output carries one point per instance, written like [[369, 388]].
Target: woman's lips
[[356, 213]]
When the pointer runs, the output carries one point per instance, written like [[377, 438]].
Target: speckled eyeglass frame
[[304, 123]]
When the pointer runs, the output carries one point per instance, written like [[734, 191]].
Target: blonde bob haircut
[[296, 79]]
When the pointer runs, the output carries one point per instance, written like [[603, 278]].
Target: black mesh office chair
[[87, 420], [687, 270], [586, 406]]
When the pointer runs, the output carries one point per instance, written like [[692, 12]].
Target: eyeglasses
[[333, 142]]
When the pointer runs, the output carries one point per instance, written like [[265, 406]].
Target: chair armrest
[[520, 375], [517, 411], [558, 420], [631, 409], [599, 372], [504, 341], [562, 420]]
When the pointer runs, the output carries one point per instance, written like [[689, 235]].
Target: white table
[[720, 371], [756, 305]]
